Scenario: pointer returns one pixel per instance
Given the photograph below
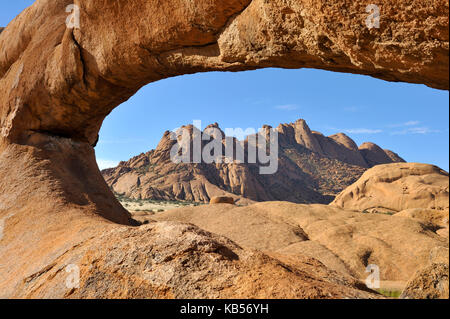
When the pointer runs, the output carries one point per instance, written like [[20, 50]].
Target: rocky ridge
[[312, 168]]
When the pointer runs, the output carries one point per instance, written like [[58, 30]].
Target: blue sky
[[412, 120]]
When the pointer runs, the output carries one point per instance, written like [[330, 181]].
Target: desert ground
[[64, 234]]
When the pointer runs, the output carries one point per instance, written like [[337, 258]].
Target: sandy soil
[[151, 206]]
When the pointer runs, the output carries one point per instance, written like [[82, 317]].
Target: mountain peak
[[214, 125], [300, 121], [374, 154], [345, 140]]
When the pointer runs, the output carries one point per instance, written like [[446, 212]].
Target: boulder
[[430, 282], [222, 200], [396, 187]]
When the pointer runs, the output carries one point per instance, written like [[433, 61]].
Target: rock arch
[[58, 84]]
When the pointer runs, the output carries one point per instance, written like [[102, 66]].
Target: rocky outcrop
[[169, 260], [299, 133], [338, 146], [431, 281], [410, 191], [434, 219], [373, 154], [394, 156], [341, 147], [312, 169], [57, 84], [346, 242], [397, 187]]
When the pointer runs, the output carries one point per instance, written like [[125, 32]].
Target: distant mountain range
[[313, 168]]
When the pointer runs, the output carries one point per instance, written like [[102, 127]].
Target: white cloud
[[409, 123], [362, 131], [416, 130], [287, 107], [103, 163]]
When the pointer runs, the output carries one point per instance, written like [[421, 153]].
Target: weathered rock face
[[431, 281], [394, 156], [411, 191], [432, 217], [338, 146], [58, 84], [397, 187], [341, 147], [171, 260], [373, 154], [312, 168]]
